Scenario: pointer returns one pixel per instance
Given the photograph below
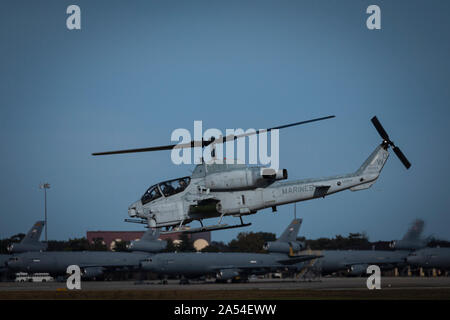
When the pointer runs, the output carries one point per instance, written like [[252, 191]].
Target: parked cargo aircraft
[[235, 266], [92, 263], [29, 243], [430, 258], [355, 262], [3, 259]]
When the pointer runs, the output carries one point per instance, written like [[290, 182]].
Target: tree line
[[244, 242]]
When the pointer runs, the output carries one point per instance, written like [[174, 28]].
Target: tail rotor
[[389, 142]]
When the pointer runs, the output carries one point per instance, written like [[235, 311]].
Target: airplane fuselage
[[212, 263], [357, 261], [57, 262], [431, 258]]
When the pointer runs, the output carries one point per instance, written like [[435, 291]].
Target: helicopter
[[217, 189]]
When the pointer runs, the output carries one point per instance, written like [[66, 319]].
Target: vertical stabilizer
[[414, 233], [291, 232], [370, 170], [375, 162], [150, 235], [31, 241], [34, 234], [149, 242], [412, 240]]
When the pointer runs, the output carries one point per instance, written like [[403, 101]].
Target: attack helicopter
[[218, 189]]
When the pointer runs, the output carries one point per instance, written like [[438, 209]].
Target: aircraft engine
[[27, 247], [92, 272], [406, 245], [247, 178], [284, 247], [227, 274], [357, 269], [148, 246]]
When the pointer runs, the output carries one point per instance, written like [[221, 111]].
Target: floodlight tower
[[45, 186]]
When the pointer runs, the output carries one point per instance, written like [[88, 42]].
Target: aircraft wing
[[276, 265], [392, 259], [109, 264], [298, 259], [246, 269]]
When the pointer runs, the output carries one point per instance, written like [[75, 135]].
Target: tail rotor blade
[[380, 128], [401, 156]]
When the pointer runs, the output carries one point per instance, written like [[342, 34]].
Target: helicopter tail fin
[[375, 162], [371, 168]]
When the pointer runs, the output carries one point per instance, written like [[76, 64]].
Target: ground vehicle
[[35, 277]]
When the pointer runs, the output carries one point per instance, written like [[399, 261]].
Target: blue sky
[[140, 69]]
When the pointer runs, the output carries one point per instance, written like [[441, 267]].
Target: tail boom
[[301, 190]]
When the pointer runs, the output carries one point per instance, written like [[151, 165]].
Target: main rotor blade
[[203, 143], [380, 128], [169, 147], [301, 122], [234, 137], [191, 144], [402, 157]]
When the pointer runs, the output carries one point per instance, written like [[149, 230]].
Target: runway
[[325, 288]]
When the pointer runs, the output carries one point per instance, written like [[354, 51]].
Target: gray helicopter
[[221, 189]]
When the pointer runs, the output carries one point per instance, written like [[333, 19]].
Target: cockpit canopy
[[166, 188]]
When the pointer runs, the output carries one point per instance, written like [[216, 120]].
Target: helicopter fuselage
[[217, 190]]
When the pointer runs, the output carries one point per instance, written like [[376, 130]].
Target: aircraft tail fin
[[375, 162], [151, 234], [412, 240], [371, 168], [149, 242], [291, 232], [34, 234], [415, 231], [31, 241]]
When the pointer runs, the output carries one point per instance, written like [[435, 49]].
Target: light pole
[[45, 186]]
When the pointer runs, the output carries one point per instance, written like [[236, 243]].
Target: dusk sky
[[137, 70]]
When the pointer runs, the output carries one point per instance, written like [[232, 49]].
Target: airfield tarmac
[[325, 288]]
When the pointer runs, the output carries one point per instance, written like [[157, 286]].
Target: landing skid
[[206, 228], [185, 229]]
